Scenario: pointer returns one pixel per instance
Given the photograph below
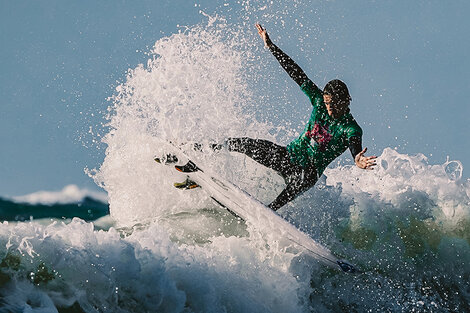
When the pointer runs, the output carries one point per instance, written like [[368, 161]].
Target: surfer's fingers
[[262, 32], [370, 165], [361, 154]]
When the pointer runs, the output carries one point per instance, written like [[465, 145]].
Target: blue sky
[[406, 63]]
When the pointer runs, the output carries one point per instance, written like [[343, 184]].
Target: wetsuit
[[305, 158]]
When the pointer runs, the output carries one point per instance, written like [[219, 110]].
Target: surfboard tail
[[348, 267]]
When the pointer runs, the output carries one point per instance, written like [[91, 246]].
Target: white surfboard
[[253, 211]]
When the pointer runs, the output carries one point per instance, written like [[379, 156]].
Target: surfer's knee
[[237, 144], [287, 195], [274, 206]]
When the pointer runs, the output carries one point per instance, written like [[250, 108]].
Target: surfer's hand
[[264, 35], [363, 162]]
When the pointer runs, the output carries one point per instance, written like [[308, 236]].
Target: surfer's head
[[336, 98]]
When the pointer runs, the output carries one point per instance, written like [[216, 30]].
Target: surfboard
[[254, 212]]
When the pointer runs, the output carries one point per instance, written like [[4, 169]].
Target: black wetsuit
[[276, 157]]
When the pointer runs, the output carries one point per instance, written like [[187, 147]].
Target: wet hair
[[337, 90]]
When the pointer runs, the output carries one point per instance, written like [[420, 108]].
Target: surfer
[[329, 132]]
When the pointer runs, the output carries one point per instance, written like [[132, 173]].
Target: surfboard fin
[[189, 167], [187, 184], [167, 159]]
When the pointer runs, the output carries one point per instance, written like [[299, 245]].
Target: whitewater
[[406, 224]]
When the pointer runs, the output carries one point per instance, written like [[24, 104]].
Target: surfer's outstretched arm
[[355, 146], [294, 71]]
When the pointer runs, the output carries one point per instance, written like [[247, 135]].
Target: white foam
[[409, 183], [405, 219], [192, 89], [143, 272]]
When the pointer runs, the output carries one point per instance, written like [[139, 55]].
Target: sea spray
[[406, 224], [192, 90], [388, 221], [402, 223], [144, 271]]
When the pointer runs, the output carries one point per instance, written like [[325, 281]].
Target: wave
[[406, 224], [68, 203], [403, 223], [68, 194], [87, 209]]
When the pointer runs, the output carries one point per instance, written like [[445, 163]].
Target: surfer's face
[[335, 108], [327, 100]]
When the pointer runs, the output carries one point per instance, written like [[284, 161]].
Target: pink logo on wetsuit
[[321, 136]]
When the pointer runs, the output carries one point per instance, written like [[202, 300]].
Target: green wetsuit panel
[[324, 138]]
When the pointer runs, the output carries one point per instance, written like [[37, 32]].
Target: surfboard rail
[[242, 204]]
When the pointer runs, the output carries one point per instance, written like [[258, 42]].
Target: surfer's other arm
[[357, 152], [294, 71]]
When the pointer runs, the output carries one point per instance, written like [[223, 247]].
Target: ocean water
[[405, 224], [68, 203]]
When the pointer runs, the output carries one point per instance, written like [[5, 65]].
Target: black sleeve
[[355, 145], [294, 71]]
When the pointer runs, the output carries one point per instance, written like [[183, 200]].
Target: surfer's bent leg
[[262, 151], [276, 157], [298, 181]]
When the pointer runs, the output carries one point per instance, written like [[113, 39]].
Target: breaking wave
[[406, 224]]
